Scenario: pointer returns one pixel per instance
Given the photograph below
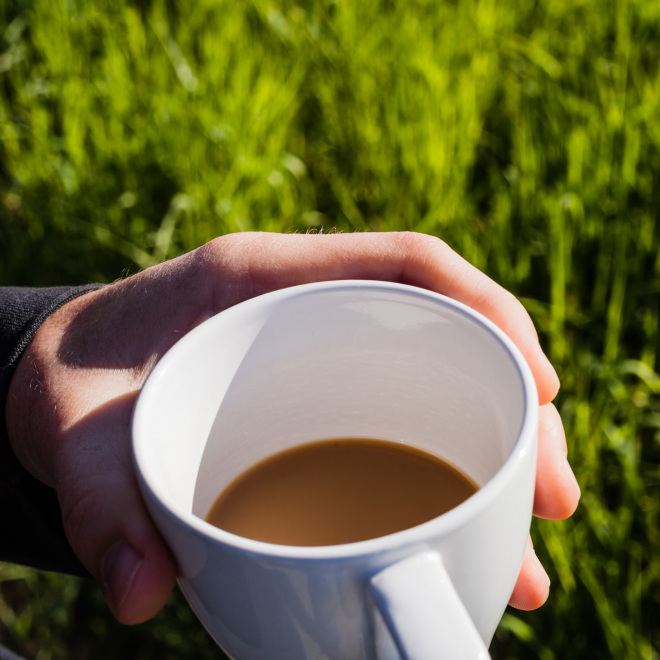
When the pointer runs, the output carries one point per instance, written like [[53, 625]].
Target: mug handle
[[423, 613]]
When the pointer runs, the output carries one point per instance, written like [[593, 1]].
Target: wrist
[[31, 414]]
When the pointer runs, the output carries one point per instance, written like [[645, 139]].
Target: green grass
[[527, 135]]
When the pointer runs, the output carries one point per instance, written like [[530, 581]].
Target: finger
[[256, 263], [533, 585], [448, 273], [557, 492], [104, 517]]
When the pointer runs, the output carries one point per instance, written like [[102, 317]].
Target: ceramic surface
[[340, 359]]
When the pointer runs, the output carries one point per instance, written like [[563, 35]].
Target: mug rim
[[441, 525]]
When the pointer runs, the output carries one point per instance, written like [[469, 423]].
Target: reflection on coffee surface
[[339, 491]]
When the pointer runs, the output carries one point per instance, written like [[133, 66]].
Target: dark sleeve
[[31, 530]]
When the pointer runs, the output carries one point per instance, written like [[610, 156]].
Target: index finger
[[267, 262], [450, 274]]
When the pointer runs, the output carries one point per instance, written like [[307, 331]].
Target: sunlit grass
[[525, 134]]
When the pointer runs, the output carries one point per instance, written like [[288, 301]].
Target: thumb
[[104, 516]]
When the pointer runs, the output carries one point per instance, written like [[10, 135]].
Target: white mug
[[332, 360]]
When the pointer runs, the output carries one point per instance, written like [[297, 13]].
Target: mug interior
[[330, 360]]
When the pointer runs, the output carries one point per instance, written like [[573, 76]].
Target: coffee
[[339, 491]]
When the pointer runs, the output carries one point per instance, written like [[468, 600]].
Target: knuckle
[[80, 514], [413, 242], [77, 510]]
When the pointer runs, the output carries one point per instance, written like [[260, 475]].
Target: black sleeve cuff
[[31, 520]]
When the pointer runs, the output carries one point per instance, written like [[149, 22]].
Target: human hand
[[71, 397]]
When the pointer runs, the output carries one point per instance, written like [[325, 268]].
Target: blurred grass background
[[527, 135]]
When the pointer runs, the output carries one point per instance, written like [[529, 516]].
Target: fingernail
[[539, 566], [120, 565], [554, 372], [569, 470], [548, 384]]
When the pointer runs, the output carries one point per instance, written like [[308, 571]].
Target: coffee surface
[[339, 491]]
